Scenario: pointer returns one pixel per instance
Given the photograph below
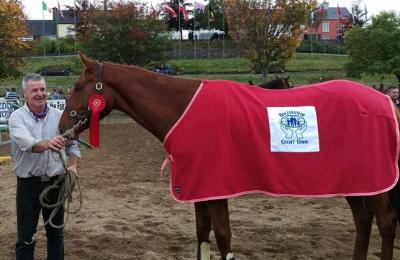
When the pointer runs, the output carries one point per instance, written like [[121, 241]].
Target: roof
[[331, 13], [35, 27]]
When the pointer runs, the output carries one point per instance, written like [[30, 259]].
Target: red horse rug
[[337, 138]]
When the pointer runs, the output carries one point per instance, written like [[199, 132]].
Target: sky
[[33, 8]]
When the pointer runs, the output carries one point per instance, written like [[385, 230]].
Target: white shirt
[[25, 132]]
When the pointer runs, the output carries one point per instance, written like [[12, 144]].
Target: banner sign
[[5, 111], [6, 108]]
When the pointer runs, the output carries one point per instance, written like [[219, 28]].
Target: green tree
[[126, 33], [359, 14], [12, 29], [375, 48], [212, 15], [271, 29]]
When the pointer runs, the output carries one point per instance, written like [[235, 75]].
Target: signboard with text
[[6, 108]]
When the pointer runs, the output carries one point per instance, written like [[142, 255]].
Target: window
[[325, 27]]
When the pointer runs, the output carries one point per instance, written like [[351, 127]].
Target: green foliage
[[272, 29], [125, 34], [303, 69], [212, 16], [321, 46], [53, 46], [375, 48], [12, 29]]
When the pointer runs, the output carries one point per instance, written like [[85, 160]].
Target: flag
[[199, 6], [339, 13], [44, 6], [170, 11], [60, 12], [184, 11]]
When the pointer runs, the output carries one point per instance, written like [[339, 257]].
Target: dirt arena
[[129, 214]]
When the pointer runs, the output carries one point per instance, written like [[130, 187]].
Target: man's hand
[[56, 143]]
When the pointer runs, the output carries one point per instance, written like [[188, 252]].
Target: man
[[37, 164], [393, 93]]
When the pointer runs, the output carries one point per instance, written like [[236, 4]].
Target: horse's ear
[[86, 60]]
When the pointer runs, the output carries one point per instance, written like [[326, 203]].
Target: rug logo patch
[[293, 129]]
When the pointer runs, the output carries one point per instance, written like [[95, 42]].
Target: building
[[62, 25], [329, 23]]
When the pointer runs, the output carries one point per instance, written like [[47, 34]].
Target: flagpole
[[44, 39], [57, 31], [209, 28], [180, 31], [75, 27], [223, 36], [194, 35]]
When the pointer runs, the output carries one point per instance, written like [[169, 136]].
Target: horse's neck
[[153, 100]]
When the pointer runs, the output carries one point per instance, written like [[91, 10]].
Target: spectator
[[61, 94], [393, 93], [54, 94]]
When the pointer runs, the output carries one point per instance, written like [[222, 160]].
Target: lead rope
[[66, 183]]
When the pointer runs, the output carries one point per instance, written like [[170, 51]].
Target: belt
[[45, 178]]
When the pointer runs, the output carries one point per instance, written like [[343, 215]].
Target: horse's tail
[[395, 192], [395, 199]]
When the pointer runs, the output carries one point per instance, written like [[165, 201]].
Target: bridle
[[83, 118]]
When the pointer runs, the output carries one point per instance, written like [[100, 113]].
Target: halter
[[96, 104], [83, 119]]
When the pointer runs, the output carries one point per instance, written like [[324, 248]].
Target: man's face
[[35, 93]]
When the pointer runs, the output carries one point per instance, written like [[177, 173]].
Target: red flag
[[170, 11], [339, 13], [184, 11]]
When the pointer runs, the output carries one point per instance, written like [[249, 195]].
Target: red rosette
[[97, 103]]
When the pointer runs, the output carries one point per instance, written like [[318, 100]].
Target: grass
[[303, 69]]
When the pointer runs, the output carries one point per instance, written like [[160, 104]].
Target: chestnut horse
[[156, 102]]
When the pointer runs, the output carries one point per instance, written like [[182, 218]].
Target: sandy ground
[[129, 214]]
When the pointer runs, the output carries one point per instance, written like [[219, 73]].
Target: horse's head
[[277, 83], [89, 98]]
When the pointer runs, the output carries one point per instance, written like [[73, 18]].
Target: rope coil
[[66, 183]]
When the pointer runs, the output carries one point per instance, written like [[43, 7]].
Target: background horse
[[277, 83], [156, 102]]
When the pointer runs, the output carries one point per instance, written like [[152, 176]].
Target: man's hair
[[32, 77]]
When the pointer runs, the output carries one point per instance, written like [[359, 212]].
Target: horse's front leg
[[203, 228], [219, 214]]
